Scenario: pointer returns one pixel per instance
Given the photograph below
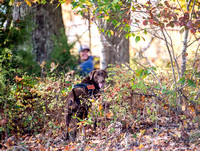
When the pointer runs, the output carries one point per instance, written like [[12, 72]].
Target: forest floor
[[167, 133], [130, 122]]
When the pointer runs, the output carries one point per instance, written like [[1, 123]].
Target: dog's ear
[[91, 74], [105, 73]]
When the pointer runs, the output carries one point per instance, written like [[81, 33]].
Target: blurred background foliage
[[16, 56]]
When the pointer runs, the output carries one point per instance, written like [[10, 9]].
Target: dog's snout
[[102, 81]]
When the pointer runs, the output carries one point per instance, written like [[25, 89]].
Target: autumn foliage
[[142, 107], [133, 112]]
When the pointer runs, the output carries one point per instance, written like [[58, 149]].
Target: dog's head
[[98, 77]]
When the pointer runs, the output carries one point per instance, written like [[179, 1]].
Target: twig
[[198, 94], [180, 6], [177, 66], [166, 42], [19, 147], [193, 42]]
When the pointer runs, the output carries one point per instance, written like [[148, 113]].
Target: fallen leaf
[[42, 64], [3, 121], [100, 107], [142, 98], [110, 114], [18, 79], [141, 146]]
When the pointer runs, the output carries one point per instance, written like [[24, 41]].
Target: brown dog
[[77, 100]]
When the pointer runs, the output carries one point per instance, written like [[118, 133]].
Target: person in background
[[85, 61]]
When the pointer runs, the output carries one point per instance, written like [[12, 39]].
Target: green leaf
[[134, 135], [117, 24], [137, 39], [182, 80], [182, 30], [127, 36], [191, 83], [115, 1], [29, 117], [114, 22], [109, 33], [134, 86]]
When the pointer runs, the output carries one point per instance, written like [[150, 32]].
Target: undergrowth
[[132, 105]]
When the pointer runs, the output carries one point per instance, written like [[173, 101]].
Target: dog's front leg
[[68, 119], [75, 132]]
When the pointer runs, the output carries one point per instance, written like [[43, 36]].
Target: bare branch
[[171, 58], [180, 6], [175, 60], [193, 41], [198, 94]]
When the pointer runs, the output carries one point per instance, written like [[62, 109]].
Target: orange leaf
[[42, 148], [28, 3], [110, 114], [134, 111], [142, 98], [18, 4], [192, 108], [67, 147], [100, 107], [18, 79], [42, 64]]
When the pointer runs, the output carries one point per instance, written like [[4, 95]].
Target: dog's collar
[[89, 87]]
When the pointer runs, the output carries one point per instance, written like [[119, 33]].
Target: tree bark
[[115, 47], [116, 50], [47, 21]]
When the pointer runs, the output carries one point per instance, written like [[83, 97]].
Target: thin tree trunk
[[183, 64], [103, 61], [117, 40], [185, 42]]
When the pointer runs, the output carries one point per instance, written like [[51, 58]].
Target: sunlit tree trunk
[[115, 46], [185, 42], [115, 50]]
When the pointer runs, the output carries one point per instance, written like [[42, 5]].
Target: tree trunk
[[116, 47], [47, 21], [183, 63], [116, 50]]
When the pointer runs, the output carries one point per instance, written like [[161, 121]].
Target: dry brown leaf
[[3, 121], [110, 114], [141, 134], [142, 98], [42, 148]]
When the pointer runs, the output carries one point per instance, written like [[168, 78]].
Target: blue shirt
[[87, 66]]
